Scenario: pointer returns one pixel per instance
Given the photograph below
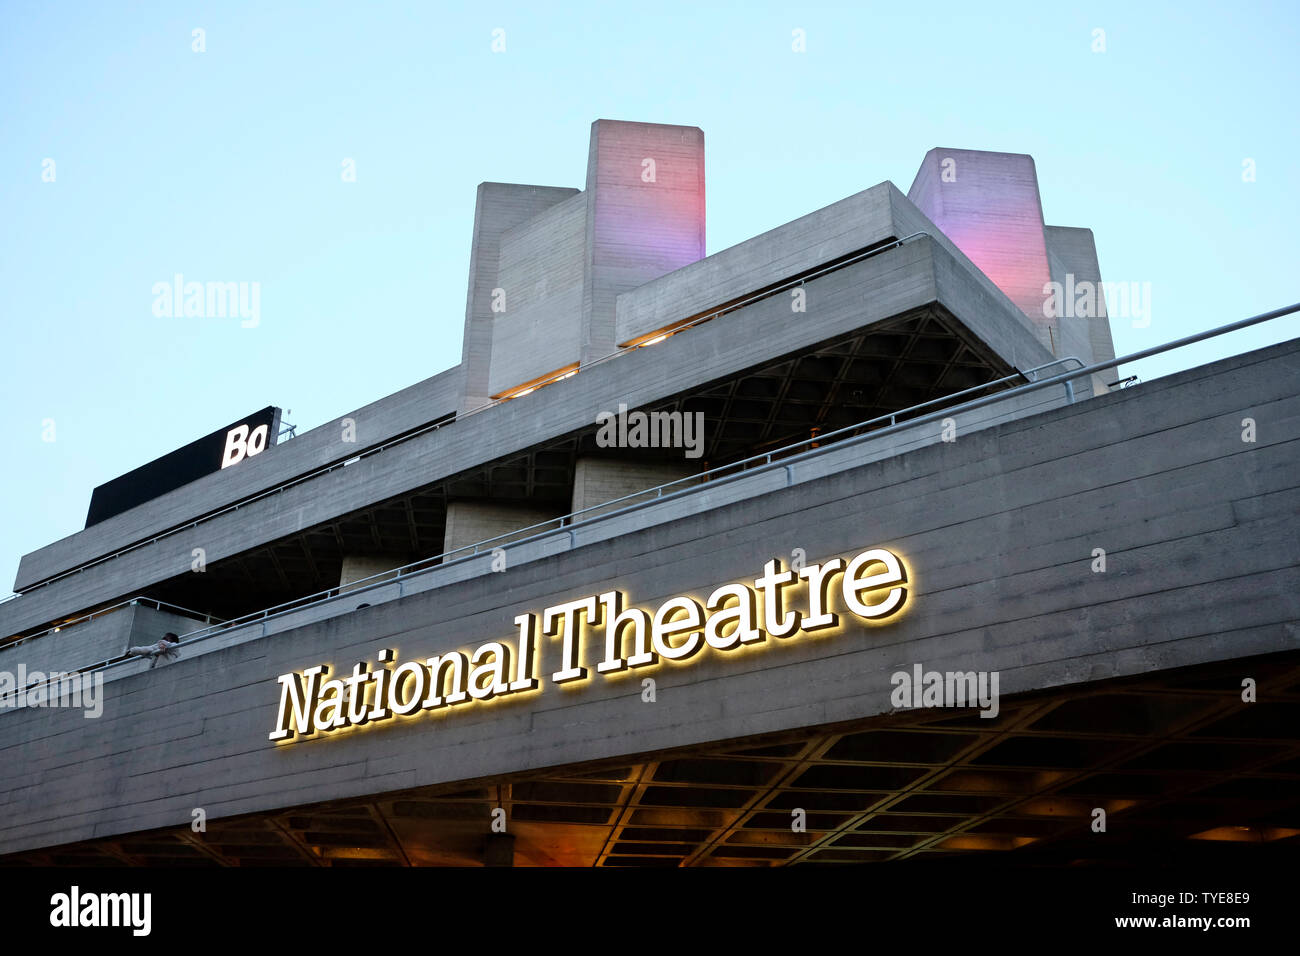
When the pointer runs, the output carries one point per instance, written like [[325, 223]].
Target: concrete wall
[[876, 290], [1073, 252], [1202, 533], [371, 425], [541, 275], [562, 268], [597, 480], [469, 522], [99, 639], [73, 647], [358, 567], [637, 229], [988, 204], [601, 525], [874, 216], [854, 223], [1018, 337], [635, 232], [499, 206]]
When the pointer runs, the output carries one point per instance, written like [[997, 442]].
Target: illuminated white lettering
[[873, 586]]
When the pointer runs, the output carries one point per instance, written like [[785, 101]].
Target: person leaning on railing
[[164, 648]]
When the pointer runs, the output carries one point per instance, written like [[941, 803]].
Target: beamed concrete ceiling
[[1182, 766]]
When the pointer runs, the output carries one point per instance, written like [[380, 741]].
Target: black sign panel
[[228, 446]]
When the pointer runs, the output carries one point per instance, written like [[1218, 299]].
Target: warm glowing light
[[527, 388], [1245, 834], [973, 841], [779, 606]]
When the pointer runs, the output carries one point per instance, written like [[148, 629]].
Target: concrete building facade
[[859, 437]]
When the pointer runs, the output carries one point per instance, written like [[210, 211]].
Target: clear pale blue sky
[[226, 165]]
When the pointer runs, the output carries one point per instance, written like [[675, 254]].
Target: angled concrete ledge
[[900, 280], [997, 531], [375, 423]]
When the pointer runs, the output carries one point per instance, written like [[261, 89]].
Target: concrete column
[[469, 522], [1085, 326], [988, 204], [597, 480], [359, 566], [548, 263], [536, 318], [645, 215], [499, 206]]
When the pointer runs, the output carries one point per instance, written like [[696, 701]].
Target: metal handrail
[[575, 517], [386, 577], [376, 449]]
